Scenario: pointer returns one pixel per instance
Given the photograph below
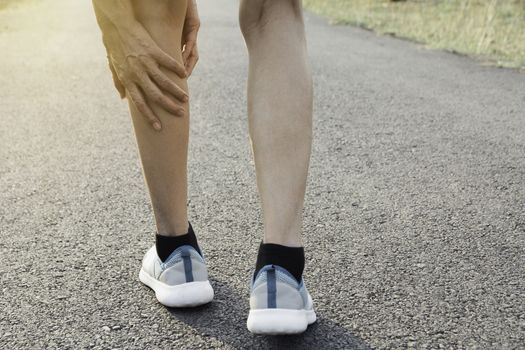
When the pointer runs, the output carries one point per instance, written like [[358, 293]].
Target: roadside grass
[[489, 29], [6, 3]]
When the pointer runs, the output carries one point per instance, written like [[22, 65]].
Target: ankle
[[171, 229], [293, 240], [289, 258], [166, 245], [288, 234]]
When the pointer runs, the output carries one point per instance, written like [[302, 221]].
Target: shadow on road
[[225, 320]]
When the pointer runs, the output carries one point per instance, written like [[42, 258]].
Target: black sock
[[167, 244], [290, 258]]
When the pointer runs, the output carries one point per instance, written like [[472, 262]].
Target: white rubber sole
[[183, 295], [280, 321]]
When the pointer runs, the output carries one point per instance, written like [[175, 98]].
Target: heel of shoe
[[182, 295], [279, 321]]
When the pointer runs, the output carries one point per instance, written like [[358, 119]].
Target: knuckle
[[133, 96], [141, 75], [138, 102], [158, 98], [144, 58], [161, 79], [174, 88], [166, 83], [148, 62], [150, 93], [138, 73], [156, 75]]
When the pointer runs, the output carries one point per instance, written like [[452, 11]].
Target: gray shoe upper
[[184, 265], [274, 287]]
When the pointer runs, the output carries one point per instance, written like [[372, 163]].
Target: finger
[[154, 94], [192, 61], [188, 48], [169, 62], [166, 83], [116, 81], [137, 98]]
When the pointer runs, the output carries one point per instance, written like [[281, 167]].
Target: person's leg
[[280, 117], [182, 280], [164, 153], [280, 112]]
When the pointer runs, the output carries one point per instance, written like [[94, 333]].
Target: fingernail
[[181, 112], [186, 98], [157, 126]]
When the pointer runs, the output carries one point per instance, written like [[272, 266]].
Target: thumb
[[116, 81]]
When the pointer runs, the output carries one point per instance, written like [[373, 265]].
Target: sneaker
[[278, 303], [180, 281]]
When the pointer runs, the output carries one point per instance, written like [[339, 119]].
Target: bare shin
[[164, 154], [280, 112]]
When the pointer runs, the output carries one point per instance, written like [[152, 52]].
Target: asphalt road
[[415, 211]]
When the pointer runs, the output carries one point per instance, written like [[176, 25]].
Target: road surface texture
[[414, 218]]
